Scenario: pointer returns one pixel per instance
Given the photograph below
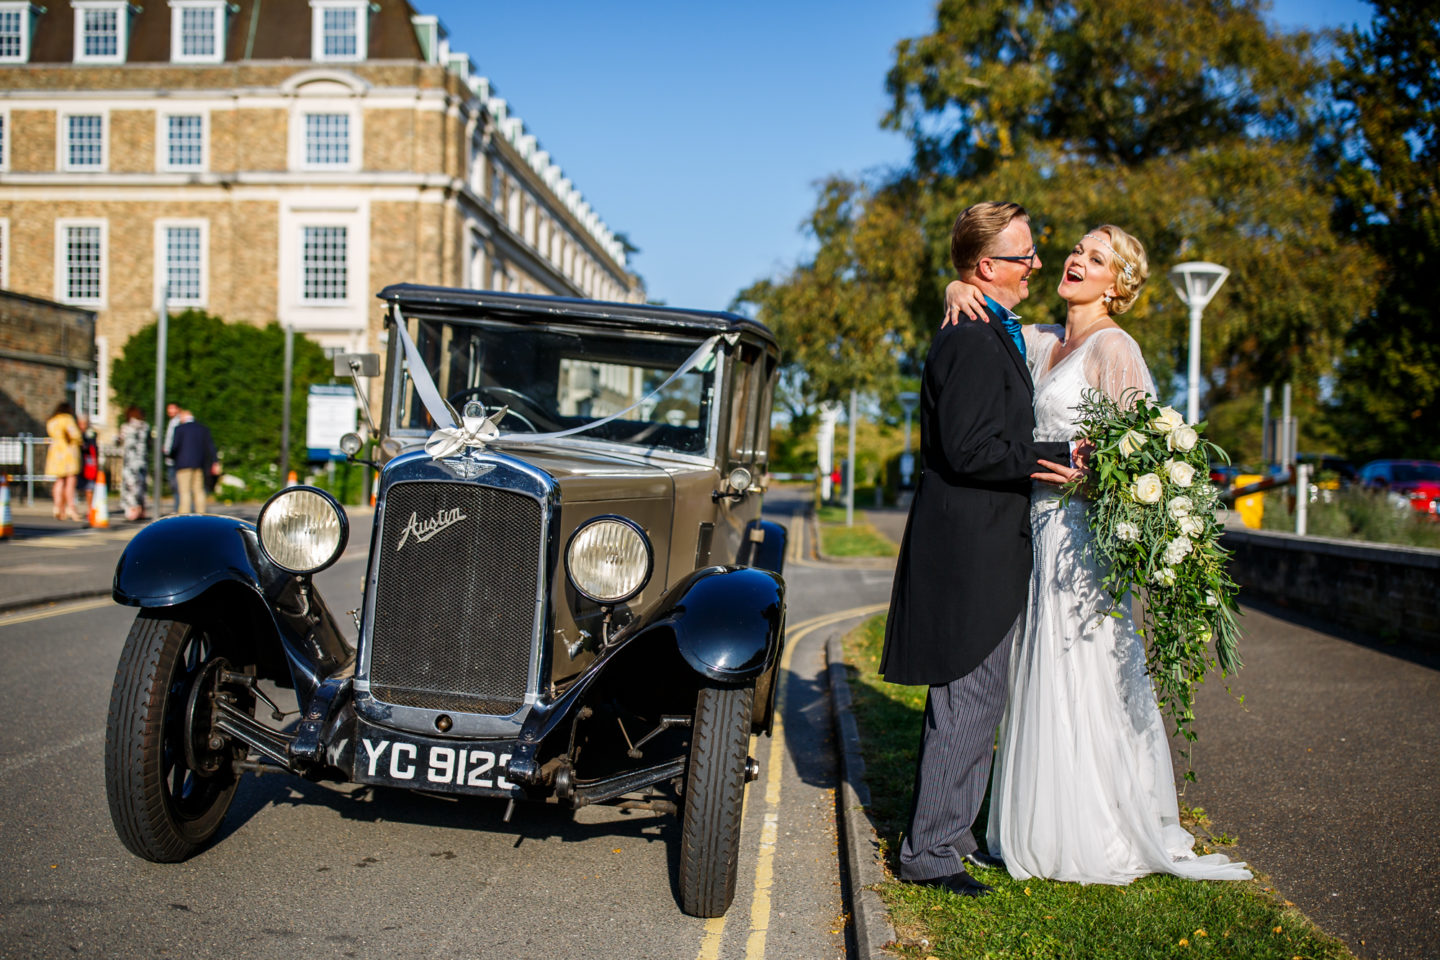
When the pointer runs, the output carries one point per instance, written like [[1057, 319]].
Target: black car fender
[[202, 563], [764, 546], [727, 621]]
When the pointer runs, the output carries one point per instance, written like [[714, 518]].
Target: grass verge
[[1154, 917], [860, 540]]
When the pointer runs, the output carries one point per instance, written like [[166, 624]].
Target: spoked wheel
[[168, 776], [714, 800]]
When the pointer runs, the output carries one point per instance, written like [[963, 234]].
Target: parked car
[[570, 594], [1416, 482]]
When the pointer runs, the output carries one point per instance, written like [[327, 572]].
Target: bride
[[1083, 789]]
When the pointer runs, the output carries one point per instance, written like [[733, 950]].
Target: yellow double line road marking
[[765, 859]]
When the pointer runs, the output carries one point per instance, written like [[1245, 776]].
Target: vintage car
[[570, 595]]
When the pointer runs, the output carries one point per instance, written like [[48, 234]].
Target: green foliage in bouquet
[[1152, 510]]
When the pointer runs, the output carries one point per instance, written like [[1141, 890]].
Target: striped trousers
[[957, 744]]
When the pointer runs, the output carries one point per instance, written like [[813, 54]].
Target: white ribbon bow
[[472, 432]]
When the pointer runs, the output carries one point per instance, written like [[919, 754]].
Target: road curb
[[859, 846], [11, 606]]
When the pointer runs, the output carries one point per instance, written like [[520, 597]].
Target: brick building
[[270, 161], [47, 354]]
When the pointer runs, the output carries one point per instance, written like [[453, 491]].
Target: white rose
[[1180, 507], [1177, 550], [1147, 488], [1127, 531], [1165, 576], [1210, 599], [1131, 442], [1192, 526], [1168, 420], [1182, 438], [1181, 473]]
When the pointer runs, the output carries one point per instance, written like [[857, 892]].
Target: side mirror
[[357, 364]]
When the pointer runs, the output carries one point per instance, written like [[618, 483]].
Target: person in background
[[89, 461], [62, 460], [193, 451], [134, 465], [174, 417]]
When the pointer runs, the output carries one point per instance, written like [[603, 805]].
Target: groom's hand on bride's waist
[[1076, 469]]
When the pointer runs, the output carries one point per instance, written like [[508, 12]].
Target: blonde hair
[[973, 236], [1128, 261]]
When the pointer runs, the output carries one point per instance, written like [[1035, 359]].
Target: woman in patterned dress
[[134, 449]]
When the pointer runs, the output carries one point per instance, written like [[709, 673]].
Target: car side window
[[744, 403]]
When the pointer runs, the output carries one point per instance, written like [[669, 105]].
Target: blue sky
[[699, 129]]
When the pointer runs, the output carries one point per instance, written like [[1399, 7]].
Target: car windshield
[[555, 378], [1415, 472]]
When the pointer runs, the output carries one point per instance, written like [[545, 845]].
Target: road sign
[[331, 413]]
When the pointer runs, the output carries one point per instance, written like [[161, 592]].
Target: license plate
[[396, 759]]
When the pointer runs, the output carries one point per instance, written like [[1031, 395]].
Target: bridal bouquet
[[1152, 511]]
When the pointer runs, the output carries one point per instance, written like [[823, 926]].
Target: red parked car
[[1416, 481]]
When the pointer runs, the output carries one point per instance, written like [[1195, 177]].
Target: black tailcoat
[[964, 569]]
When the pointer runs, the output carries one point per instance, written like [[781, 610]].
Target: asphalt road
[[351, 871]]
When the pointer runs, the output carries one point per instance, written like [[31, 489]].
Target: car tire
[[165, 805], [714, 799]]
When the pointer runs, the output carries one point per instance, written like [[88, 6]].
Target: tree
[[1192, 125], [1189, 124], [1388, 85], [231, 377], [843, 317]]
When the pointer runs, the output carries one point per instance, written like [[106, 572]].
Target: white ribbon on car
[[451, 438]]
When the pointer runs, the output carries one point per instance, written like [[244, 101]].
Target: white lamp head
[[1197, 282]]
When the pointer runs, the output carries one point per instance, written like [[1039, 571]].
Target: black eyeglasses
[[1028, 258]]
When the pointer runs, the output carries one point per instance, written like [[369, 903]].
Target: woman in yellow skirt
[[63, 459]]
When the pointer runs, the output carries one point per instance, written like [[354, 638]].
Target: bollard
[[100, 503], [7, 522], [1302, 496]]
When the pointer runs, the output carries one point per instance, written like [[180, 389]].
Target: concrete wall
[[1389, 592]]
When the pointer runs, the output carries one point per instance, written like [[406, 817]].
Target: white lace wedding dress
[[1083, 788]]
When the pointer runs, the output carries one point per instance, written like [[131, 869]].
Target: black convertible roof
[[452, 301]]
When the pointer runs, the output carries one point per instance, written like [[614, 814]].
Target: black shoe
[[960, 884], [982, 859]]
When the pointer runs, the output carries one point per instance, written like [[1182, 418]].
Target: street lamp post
[[1196, 282], [909, 400]]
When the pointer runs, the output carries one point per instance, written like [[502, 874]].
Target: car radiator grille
[[455, 612]]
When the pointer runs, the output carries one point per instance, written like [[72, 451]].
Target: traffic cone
[[7, 523], [100, 503], [293, 480]]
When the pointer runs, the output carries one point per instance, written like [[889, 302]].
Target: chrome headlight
[[608, 560], [302, 529]]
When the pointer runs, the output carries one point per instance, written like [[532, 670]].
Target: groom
[[963, 576]]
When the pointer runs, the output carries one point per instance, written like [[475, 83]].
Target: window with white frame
[[197, 31], [182, 141], [181, 255], [16, 20], [477, 274], [327, 139], [81, 266], [339, 29], [323, 264], [102, 30], [82, 141]]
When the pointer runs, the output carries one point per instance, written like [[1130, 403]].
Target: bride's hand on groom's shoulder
[[962, 299]]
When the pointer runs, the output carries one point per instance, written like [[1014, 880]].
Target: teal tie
[[1012, 327]]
